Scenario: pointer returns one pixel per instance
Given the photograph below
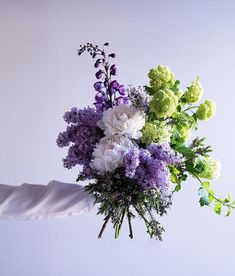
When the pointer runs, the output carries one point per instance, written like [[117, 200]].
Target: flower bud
[[114, 84], [113, 70], [112, 55], [194, 92], [99, 97], [206, 110], [113, 67], [122, 90], [99, 86], [99, 74], [98, 62]]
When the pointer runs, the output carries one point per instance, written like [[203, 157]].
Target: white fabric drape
[[31, 201]]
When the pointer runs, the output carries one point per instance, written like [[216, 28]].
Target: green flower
[[206, 110], [156, 131], [194, 92], [184, 132], [212, 168], [164, 103], [161, 77]]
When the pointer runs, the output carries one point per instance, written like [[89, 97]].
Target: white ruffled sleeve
[[31, 201]]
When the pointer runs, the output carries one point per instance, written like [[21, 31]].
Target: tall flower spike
[[106, 84]]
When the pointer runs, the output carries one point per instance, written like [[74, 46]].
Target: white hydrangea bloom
[[123, 119], [109, 152]]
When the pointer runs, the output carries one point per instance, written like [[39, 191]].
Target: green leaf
[[203, 197], [174, 178], [183, 177], [228, 198], [198, 164], [228, 213], [206, 184], [217, 208], [174, 170], [149, 90], [177, 187]]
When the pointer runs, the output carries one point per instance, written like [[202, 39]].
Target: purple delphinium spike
[[113, 91]]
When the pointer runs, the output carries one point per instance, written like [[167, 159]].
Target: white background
[[41, 76]]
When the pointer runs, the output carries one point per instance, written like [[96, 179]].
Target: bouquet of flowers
[[133, 145]]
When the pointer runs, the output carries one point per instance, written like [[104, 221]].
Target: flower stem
[[191, 107], [215, 198], [148, 226], [116, 230], [150, 213], [122, 218], [106, 219], [129, 223]]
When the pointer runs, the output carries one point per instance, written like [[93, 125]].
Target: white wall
[[41, 77]]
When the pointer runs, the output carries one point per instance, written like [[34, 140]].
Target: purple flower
[[164, 152], [99, 86], [149, 167], [113, 55], [71, 116], [113, 70], [99, 97], [131, 162], [122, 90], [114, 85], [122, 100], [113, 67], [99, 74], [81, 135], [98, 62]]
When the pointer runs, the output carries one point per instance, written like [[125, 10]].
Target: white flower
[[123, 119], [108, 154]]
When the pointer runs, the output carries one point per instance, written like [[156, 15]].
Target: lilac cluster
[[139, 97], [108, 92], [149, 167], [164, 152], [81, 135]]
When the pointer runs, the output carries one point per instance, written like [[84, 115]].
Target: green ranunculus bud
[[194, 92], [212, 168], [161, 77], [156, 131], [206, 110], [163, 103]]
